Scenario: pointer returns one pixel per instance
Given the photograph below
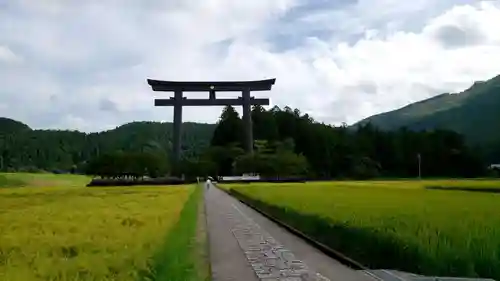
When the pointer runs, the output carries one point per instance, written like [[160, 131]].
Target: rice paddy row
[[394, 224], [55, 229]]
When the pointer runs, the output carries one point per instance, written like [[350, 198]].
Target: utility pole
[[419, 166]]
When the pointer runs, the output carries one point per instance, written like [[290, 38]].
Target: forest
[[286, 143], [473, 113], [24, 149], [342, 152]]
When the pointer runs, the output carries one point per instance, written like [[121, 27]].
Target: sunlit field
[[394, 224], [41, 180], [53, 228]]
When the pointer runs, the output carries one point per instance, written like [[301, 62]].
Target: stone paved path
[[246, 246]]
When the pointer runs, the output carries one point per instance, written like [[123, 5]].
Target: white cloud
[[7, 56], [84, 64]]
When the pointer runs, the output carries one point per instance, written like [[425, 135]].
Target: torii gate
[[178, 101]]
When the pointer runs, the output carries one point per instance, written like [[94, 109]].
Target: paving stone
[[269, 259], [266, 257]]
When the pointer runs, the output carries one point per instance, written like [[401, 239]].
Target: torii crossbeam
[[178, 101]]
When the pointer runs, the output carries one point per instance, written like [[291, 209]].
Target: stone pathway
[[246, 246]]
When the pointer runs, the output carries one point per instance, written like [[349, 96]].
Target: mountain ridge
[[474, 113], [9, 125], [418, 115], [22, 145]]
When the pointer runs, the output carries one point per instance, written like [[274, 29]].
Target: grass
[[179, 259], [42, 180], [53, 228], [394, 224], [10, 182]]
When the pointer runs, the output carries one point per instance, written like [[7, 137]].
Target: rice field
[[54, 228], [394, 224]]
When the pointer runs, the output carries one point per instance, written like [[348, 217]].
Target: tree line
[[339, 151], [132, 165], [24, 149], [286, 143]]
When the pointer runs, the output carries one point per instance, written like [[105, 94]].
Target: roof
[[210, 102], [206, 86]]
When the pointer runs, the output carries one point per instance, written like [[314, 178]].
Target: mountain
[[8, 126], [330, 151], [27, 149], [474, 113]]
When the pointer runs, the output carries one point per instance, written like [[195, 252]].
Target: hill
[[8, 126], [24, 149], [474, 113], [284, 139]]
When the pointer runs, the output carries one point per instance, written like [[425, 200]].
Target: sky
[[83, 65]]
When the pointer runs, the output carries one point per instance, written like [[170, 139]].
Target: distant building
[[494, 167], [244, 177]]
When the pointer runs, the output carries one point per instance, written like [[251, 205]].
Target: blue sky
[[84, 64]]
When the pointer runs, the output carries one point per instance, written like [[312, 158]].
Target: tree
[[223, 157], [127, 165], [282, 164], [330, 151], [192, 168], [229, 128], [287, 163], [57, 150], [264, 124], [364, 168]]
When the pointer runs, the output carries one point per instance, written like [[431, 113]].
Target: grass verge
[[180, 258]]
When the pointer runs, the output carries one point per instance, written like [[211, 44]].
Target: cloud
[[7, 56], [464, 26], [108, 105], [84, 65]]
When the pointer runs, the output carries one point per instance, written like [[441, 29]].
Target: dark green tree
[[229, 128], [127, 165], [264, 124]]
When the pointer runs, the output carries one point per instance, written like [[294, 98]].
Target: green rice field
[[394, 224]]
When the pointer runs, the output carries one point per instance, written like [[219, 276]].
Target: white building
[[494, 167]]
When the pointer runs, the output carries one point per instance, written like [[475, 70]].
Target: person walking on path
[[207, 183]]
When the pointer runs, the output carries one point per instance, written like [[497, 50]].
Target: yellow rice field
[[56, 229]]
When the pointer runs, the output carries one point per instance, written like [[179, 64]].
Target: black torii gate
[[178, 101]]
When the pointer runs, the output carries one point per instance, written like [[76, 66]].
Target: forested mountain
[[342, 152], [24, 149], [474, 113], [8, 126], [287, 142]]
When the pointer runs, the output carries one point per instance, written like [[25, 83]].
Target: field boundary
[[343, 259], [465, 189], [176, 258], [207, 233]]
